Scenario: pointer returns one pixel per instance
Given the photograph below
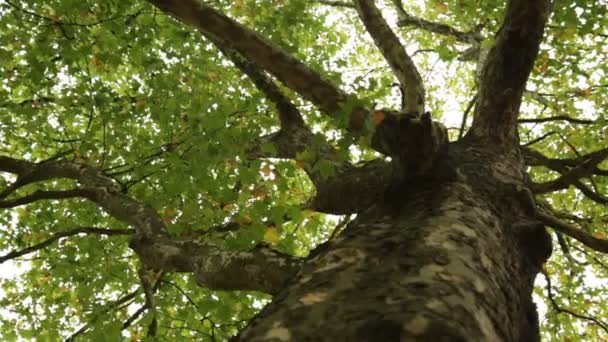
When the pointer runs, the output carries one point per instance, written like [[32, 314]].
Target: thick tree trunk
[[440, 259]]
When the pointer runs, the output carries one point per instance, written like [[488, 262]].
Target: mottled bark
[[449, 258]]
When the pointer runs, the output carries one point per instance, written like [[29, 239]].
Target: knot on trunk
[[413, 142]]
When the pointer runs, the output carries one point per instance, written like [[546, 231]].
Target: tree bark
[[451, 257]]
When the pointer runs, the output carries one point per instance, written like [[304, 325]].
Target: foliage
[[123, 87]]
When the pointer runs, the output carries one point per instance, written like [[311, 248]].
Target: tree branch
[[289, 115], [43, 194], [352, 189], [581, 236], [535, 158], [506, 70], [539, 139], [81, 230], [559, 309], [405, 19], [570, 174], [394, 53], [557, 118], [336, 3], [260, 269], [287, 69], [129, 297]]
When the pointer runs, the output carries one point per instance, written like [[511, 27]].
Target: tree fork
[[451, 258]]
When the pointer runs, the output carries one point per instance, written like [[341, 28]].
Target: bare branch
[[406, 19], [592, 195], [134, 316], [506, 70], [394, 53], [150, 280], [59, 235], [26, 173]]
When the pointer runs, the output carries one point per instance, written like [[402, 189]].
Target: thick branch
[[349, 190], [261, 269], [353, 189], [289, 70], [506, 70], [400, 62]]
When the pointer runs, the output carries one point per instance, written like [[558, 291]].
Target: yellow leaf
[[259, 194], [140, 104], [22, 212], [308, 213], [266, 170], [441, 7], [271, 235], [600, 235], [169, 214], [243, 219], [212, 76]]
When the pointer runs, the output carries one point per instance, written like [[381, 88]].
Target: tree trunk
[[451, 257]]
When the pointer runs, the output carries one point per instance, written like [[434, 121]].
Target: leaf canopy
[[123, 87]]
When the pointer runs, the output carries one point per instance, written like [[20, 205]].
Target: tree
[[168, 168]]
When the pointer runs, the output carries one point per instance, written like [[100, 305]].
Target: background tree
[[167, 171]]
